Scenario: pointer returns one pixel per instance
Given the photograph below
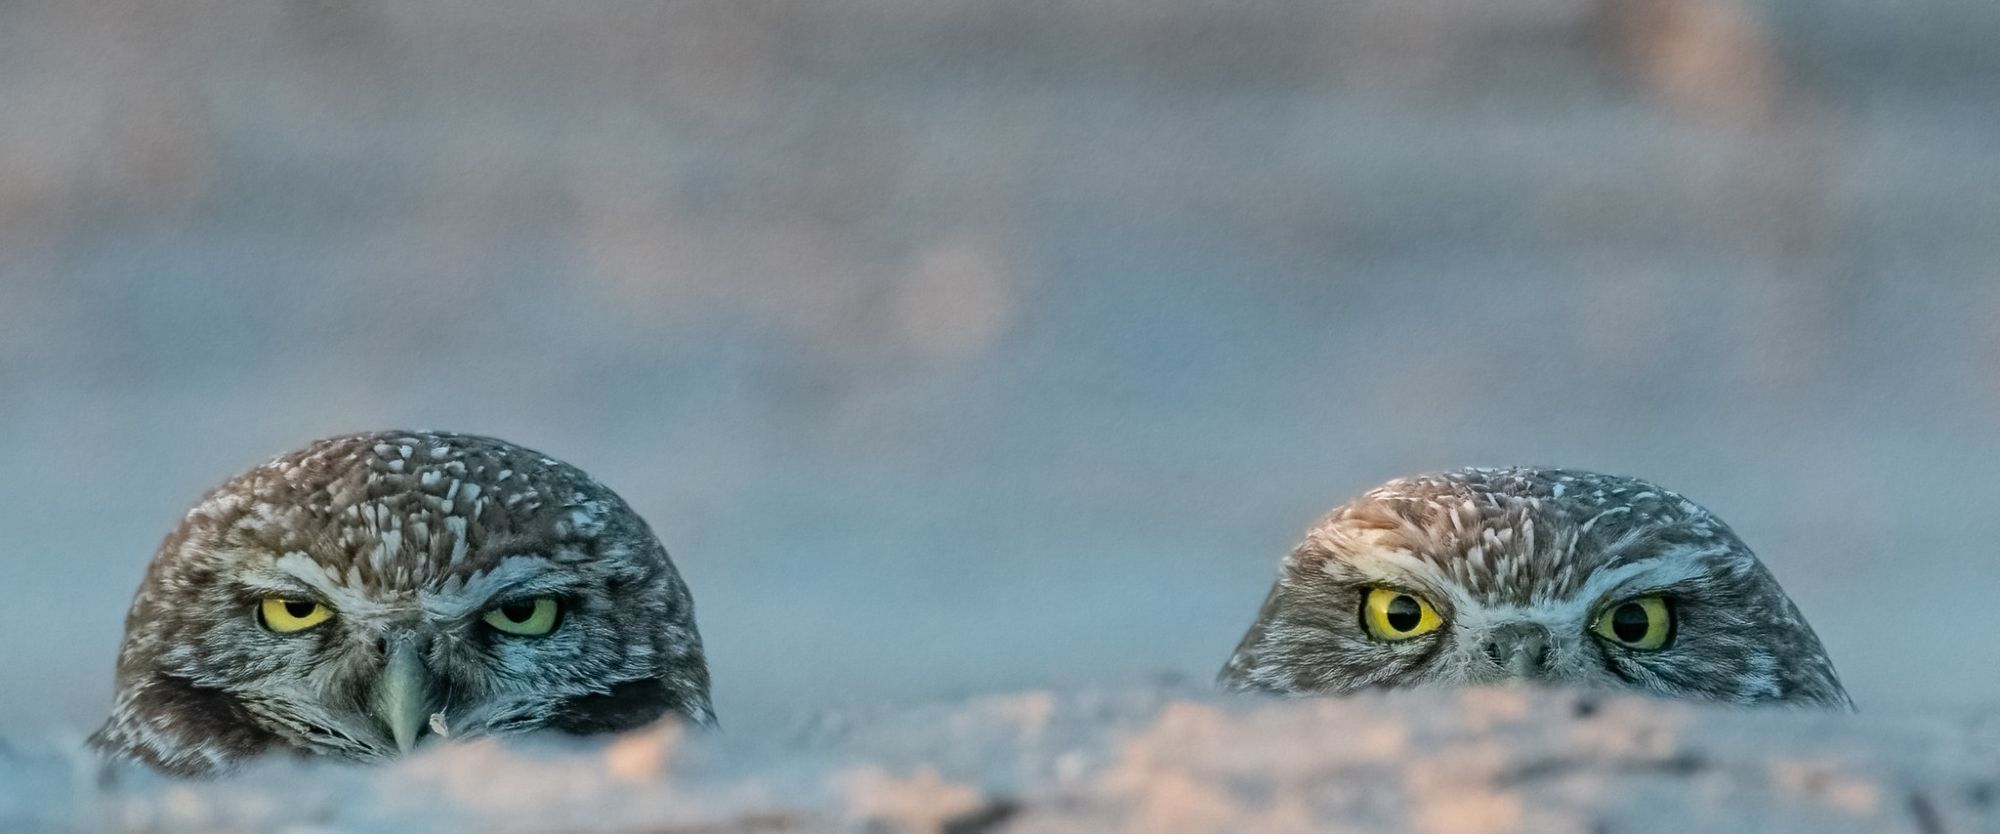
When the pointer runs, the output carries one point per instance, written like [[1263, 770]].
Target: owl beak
[[401, 698], [1520, 649], [1522, 665]]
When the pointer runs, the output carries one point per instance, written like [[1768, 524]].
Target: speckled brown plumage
[[408, 537], [1541, 552]]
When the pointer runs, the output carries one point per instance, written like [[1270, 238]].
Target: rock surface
[[1159, 762]]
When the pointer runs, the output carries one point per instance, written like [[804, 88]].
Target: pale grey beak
[[1520, 649], [401, 700], [1522, 665]]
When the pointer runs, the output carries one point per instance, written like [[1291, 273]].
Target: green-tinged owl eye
[[1646, 623], [285, 615], [525, 618], [1398, 615]]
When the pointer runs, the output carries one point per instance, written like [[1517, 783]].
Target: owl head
[[364, 593], [1485, 576]]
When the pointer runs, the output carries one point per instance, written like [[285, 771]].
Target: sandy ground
[[1479, 762]]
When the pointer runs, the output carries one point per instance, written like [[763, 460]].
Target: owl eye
[[1646, 623], [525, 618], [285, 615], [1393, 615]]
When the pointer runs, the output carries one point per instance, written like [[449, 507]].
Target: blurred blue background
[[955, 345]]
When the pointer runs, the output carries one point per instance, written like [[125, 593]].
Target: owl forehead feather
[[1523, 534], [406, 510]]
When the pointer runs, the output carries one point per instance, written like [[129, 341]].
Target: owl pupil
[[299, 609], [1629, 622], [1404, 613], [518, 612]]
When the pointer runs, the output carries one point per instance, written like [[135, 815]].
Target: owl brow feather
[[258, 585], [524, 575]]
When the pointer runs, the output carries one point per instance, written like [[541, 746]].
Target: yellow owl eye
[[1646, 623], [525, 618], [1398, 615], [285, 615]]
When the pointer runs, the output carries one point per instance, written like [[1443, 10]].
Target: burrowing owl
[[360, 593], [1564, 577]]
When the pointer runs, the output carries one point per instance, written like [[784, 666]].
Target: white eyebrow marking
[[278, 580], [1667, 570], [1394, 564], [297, 570], [524, 574]]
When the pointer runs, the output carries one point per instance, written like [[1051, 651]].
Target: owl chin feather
[[367, 594], [1548, 576]]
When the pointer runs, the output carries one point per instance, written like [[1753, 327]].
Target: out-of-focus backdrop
[[956, 345]]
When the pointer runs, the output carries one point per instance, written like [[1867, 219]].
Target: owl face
[[1546, 576], [367, 593]]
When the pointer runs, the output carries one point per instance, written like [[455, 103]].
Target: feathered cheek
[[238, 651], [567, 661], [1385, 664], [1397, 670]]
